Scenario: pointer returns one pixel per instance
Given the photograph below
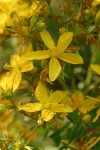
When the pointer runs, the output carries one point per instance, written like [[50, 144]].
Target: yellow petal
[[54, 69], [41, 93], [31, 107], [25, 65], [56, 97], [83, 109], [96, 68], [92, 99], [19, 63], [13, 62], [14, 79], [47, 114], [60, 108], [95, 2], [77, 99], [86, 118], [4, 80], [68, 101], [28, 49], [10, 80], [71, 58], [38, 55], [64, 40], [86, 106], [47, 39]]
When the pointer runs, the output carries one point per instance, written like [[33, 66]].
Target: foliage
[[49, 74]]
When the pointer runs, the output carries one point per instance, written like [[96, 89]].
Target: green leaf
[[74, 118], [76, 133], [2, 108]]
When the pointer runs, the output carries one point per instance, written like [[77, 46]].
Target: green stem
[[89, 72]]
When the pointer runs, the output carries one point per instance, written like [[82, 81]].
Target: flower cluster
[[48, 77]]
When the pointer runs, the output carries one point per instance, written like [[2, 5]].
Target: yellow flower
[[12, 10], [7, 7], [10, 81], [49, 103], [95, 2], [56, 53], [26, 10], [83, 104], [96, 68], [18, 65], [78, 101]]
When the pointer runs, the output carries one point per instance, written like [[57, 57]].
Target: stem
[[28, 137], [89, 73]]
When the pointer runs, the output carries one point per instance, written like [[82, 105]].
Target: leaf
[[54, 69], [76, 133], [8, 104], [74, 117], [64, 40], [2, 108], [71, 58]]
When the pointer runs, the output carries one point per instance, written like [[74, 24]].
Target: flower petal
[[19, 63], [10, 80], [41, 93], [60, 108], [38, 55], [27, 49], [71, 58], [96, 68], [56, 97], [13, 62], [77, 99], [84, 109], [25, 65], [54, 69], [68, 101], [47, 114], [47, 39], [31, 107], [64, 40], [14, 79]]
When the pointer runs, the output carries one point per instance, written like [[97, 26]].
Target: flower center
[[46, 106], [55, 53]]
